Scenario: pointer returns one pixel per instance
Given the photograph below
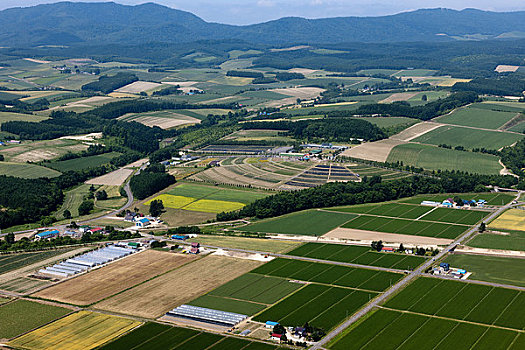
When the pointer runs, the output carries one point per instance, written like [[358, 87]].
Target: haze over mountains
[[68, 23]]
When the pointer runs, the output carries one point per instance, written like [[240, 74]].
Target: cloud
[[265, 3]]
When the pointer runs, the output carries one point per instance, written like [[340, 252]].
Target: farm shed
[[142, 222], [202, 314], [271, 324], [47, 234]]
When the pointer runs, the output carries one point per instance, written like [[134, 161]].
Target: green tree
[[67, 214], [482, 227], [424, 98], [10, 238], [377, 245], [156, 207], [85, 207], [101, 195]]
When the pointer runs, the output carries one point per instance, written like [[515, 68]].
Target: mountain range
[[68, 23]]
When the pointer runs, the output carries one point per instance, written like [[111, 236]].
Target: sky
[[256, 11]]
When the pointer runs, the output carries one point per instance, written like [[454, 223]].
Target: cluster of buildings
[[141, 221], [74, 233], [444, 269], [205, 315], [450, 203], [296, 334], [10, 142]]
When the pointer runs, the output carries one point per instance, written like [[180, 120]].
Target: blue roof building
[[47, 234]]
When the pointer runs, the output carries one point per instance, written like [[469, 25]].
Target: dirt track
[[362, 235], [416, 131]]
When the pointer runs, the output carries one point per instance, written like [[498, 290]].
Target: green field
[[26, 171], [236, 242], [490, 268], [10, 262], [217, 193], [462, 301], [21, 316], [308, 223], [468, 138], [83, 162], [160, 336], [247, 294], [395, 210], [436, 158], [357, 255], [320, 306], [387, 329], [493, 198], [406, 227], [478, 116], [10, 116], [513, 240], [342, 276]]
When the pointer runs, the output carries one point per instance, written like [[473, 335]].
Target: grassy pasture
[[491, 269], [410, 331], [357, 255], [84, 162], [320, 306], [29, 315], [513, 240], [462, 301], [512, 219], [309, 223], [26, 171], [263, 245], [82, 330], [216, 193], [406, 227], [468, 138], [435, 158], [336, 275], [477, 117], [10, 116]]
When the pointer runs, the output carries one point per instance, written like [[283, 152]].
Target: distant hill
[[67, 23]]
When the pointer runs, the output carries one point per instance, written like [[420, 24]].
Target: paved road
[[403, 282]]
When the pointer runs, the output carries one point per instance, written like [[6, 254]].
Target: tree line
[[370, 190], [328, 129]]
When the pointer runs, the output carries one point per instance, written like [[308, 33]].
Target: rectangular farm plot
[[217, 193], [159, 336], [386, 329], [20, 316], [478, 117], [161, 294], [337, 275], [308, 223], [82, 330], [12, 262], [493, 198], [316, 304], [102, 283], [357, 255], [504, 270], [463, 301], [456, 216], [407, 227], [395, 210], [512, 219], [468, 137]]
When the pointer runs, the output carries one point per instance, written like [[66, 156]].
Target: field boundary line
[[425, 214], [237, 299], [454, 319]]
